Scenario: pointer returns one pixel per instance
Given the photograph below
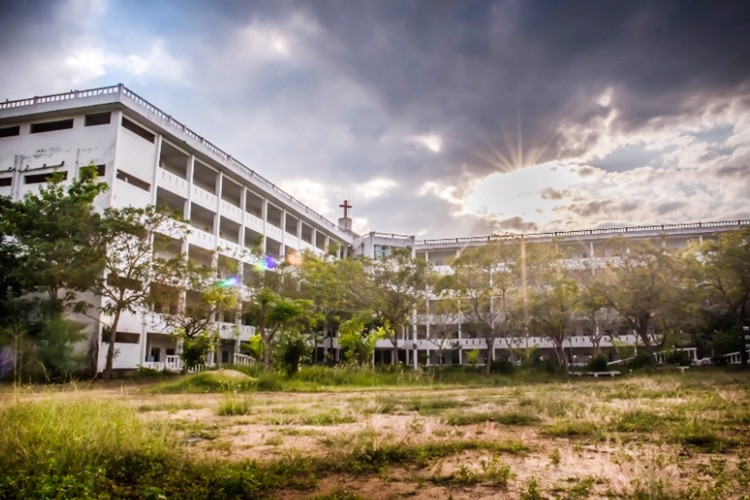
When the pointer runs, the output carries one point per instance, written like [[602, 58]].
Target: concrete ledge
[[596, 374]]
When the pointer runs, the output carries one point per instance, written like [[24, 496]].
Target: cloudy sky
[[434, 118]]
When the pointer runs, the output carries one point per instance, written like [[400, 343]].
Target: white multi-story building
[[147, 157]]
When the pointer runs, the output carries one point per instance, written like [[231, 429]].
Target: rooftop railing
[[586, 232], [176, 125]]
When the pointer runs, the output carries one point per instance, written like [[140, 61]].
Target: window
[[39, 178], [10, 131], [51, 126], [135, 181], [138, 130], [101, 170], [382, 251], [98, 119], [121, 337], [6, 181]]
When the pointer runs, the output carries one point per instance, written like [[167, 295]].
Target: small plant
[[473, 357], [531, 492], [496, 472], [554, 457], [572, 428], [274, 441], [234, 405]]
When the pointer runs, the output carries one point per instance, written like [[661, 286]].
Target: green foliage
[[597, 363], [357, 341], [57, 239], [270, 312], [233, 405], [291, 350], [680, 358], [646, 286], [221, 380], [55, 341], [641, 360], [531, 492], [505, 418], [473, 357], [503, 367], [195, 349]]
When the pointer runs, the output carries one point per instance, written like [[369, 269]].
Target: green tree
[[193, 322], [50, 252], [56, 235], [359, 338], [644, 284], [400, 286], [270, 313], [722, 272], [134, 239], [554, 296], [443, 313], [488, 281], [338, 289]]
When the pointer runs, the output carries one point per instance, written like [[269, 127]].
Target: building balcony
[[172, 182]]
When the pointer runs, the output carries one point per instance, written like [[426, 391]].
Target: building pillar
[[264, 217]]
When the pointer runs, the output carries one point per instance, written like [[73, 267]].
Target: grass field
[[655, 436]]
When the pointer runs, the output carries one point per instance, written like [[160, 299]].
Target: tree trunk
[[107, 374], [266, 351], [490, 341]]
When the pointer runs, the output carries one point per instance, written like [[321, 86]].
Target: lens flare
[[294, 258], [266, 263], [231, 281]]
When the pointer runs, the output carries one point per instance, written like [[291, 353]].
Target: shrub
[[641, 360], [598, 363], [680, 358], [502, 366], [209, 381]]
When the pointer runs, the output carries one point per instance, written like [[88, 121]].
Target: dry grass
[[682, 436]]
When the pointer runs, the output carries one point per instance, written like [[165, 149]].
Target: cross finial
[[346, 208]]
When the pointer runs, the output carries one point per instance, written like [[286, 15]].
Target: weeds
[[507, 418], [233, 405]]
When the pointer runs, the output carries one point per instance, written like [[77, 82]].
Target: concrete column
[[156, 169], [217, 218], [282, 250], [264, 217]]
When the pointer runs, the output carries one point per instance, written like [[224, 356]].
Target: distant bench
[[596, 374]]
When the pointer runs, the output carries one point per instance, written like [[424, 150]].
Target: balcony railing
[[170, 122]]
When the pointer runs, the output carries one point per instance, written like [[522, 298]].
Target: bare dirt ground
[[567, 440]]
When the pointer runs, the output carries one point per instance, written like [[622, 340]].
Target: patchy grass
[[661, 436], [572, 429], [233, 405], [504, 418], [209, 381]]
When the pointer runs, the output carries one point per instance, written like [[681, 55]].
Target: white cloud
[[374, 188], [88, 63], [432, 142], [311, 193], [360, 225]]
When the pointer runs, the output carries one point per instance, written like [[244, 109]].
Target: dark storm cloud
[[504, 84], [480, 72]]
